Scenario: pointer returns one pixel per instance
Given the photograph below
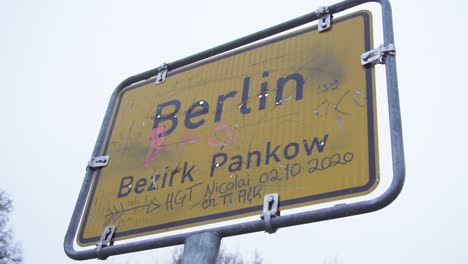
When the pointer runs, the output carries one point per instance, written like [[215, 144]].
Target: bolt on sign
[[293, 115]]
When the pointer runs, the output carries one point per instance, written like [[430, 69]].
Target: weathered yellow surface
[[292, 115]]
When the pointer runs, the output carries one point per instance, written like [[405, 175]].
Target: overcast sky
[[61, 60]]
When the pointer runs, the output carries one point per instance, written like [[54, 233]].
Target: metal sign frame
[[209, 190], [343, 210]]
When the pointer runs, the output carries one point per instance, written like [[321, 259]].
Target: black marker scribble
[[114, 215]]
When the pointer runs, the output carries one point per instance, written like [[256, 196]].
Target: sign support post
[[202, 248]]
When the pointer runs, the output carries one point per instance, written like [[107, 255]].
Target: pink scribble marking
[[156, 147], [188, 139], [213, 141]]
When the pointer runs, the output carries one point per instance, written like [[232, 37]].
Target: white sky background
[[60, 61]]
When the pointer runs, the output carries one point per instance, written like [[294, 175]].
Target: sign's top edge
[[247, 47]]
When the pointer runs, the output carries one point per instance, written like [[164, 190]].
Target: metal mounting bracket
[[98, 162], [324, 18], [378, 55], [270, 210], [105, 241], [161, 75]]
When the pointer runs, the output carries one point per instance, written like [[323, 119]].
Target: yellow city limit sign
[[293, 115]]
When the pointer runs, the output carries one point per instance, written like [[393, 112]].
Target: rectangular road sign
[[293, 115]]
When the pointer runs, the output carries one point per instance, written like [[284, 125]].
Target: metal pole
[[201, 248]]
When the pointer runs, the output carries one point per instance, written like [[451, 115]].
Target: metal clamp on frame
[[324, 18], [270, 210], [105, 241], [162, 72], [378, 55], [98, 162]]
